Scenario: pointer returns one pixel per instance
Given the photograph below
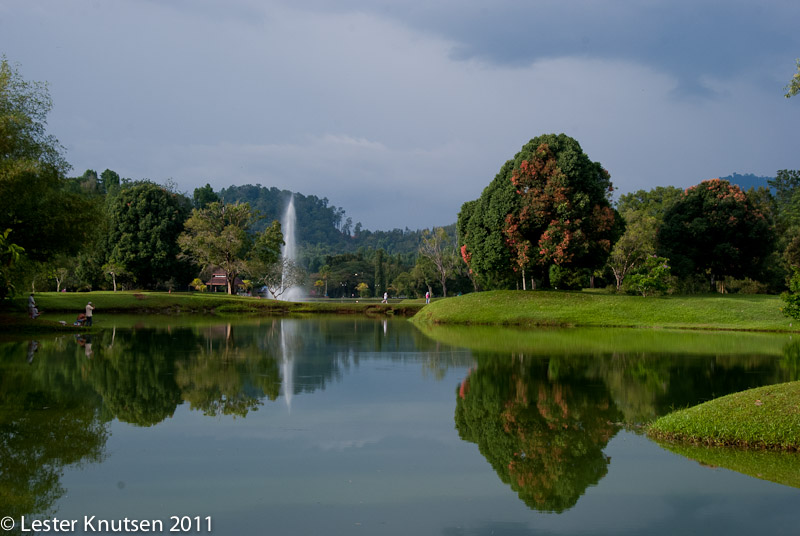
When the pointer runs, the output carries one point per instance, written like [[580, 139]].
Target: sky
[[399, 112]]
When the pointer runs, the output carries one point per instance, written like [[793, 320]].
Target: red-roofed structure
[[218, 279]]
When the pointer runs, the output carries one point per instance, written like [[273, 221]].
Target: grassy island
[[765, 418], [599, 309]]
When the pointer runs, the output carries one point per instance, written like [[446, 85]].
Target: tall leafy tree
[[439, 249], [204, 196], [145, 222], [45, 219], [714, 229], [218, 236], [549, 206]]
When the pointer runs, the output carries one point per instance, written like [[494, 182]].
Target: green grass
[[587, 309], [765, 417], [65, 306]]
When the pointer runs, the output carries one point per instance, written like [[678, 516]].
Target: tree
[[715, 230], [380, 274], [550, 205], [652, 276], [45, 219], [204, 196], [9, 256], [634, 246], [145, 222], [363, 289], [217, 236], [325, 273], [794, 85], [437, 247], [282, 276]]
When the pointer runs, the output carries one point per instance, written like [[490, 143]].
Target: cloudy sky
[[399, 111]]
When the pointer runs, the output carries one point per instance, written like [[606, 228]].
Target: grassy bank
[[765, 417], [587, 309], [66, 306]]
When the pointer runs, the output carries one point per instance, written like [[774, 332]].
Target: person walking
[[385, 297], [89, 309], [428, 297]]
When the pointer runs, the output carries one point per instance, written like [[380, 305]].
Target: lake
[[352, 425]]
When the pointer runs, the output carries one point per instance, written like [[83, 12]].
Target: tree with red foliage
[[715, 230], [549, 206]]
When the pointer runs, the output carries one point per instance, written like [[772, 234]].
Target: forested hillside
[[323, 229]]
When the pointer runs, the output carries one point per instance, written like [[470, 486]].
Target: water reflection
[[542, 417], [543, 435]]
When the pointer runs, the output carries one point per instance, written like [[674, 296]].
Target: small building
[[218, 279]]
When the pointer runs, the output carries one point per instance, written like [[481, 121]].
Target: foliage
[[715, 229], [651, 277], [634, 246], [146, 220], [363, 289], [794, 85], [217, 236], [544, 436], [440, 250], [550, 205], [204, 196], [45, 218], [791, 298], [566, 278], [9, 256]]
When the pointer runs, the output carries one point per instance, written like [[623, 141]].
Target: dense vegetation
[[545, 221]]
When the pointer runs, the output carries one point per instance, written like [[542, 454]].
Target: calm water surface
[[359, 426]]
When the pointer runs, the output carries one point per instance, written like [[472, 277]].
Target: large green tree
[[44, 218], [218, 236], [715, 230], [548, 206], [145, 222]]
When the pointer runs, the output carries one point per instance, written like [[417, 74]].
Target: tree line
[[547, 220]]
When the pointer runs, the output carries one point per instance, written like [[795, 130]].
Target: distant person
[[33, 312], [89, 309], [385, 297], [428, 297]]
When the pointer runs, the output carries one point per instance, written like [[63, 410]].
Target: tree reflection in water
[[544, 436]]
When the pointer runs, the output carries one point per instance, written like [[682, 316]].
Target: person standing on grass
[[89, 309], [33, 312]]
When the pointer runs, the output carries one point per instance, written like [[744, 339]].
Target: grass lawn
[[66, 306], [568, 309], [764, 417]]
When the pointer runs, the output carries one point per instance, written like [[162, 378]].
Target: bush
[[651, 278], [745, 286], [792, 298], [569, 278]]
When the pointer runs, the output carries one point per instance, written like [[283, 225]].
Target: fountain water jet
[[289, 252]]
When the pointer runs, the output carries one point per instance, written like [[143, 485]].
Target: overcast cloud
[[401, 111]]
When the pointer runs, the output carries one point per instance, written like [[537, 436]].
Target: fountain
[[289, 252]]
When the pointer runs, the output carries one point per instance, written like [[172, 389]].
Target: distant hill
[[323, 228], [745, 182]]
